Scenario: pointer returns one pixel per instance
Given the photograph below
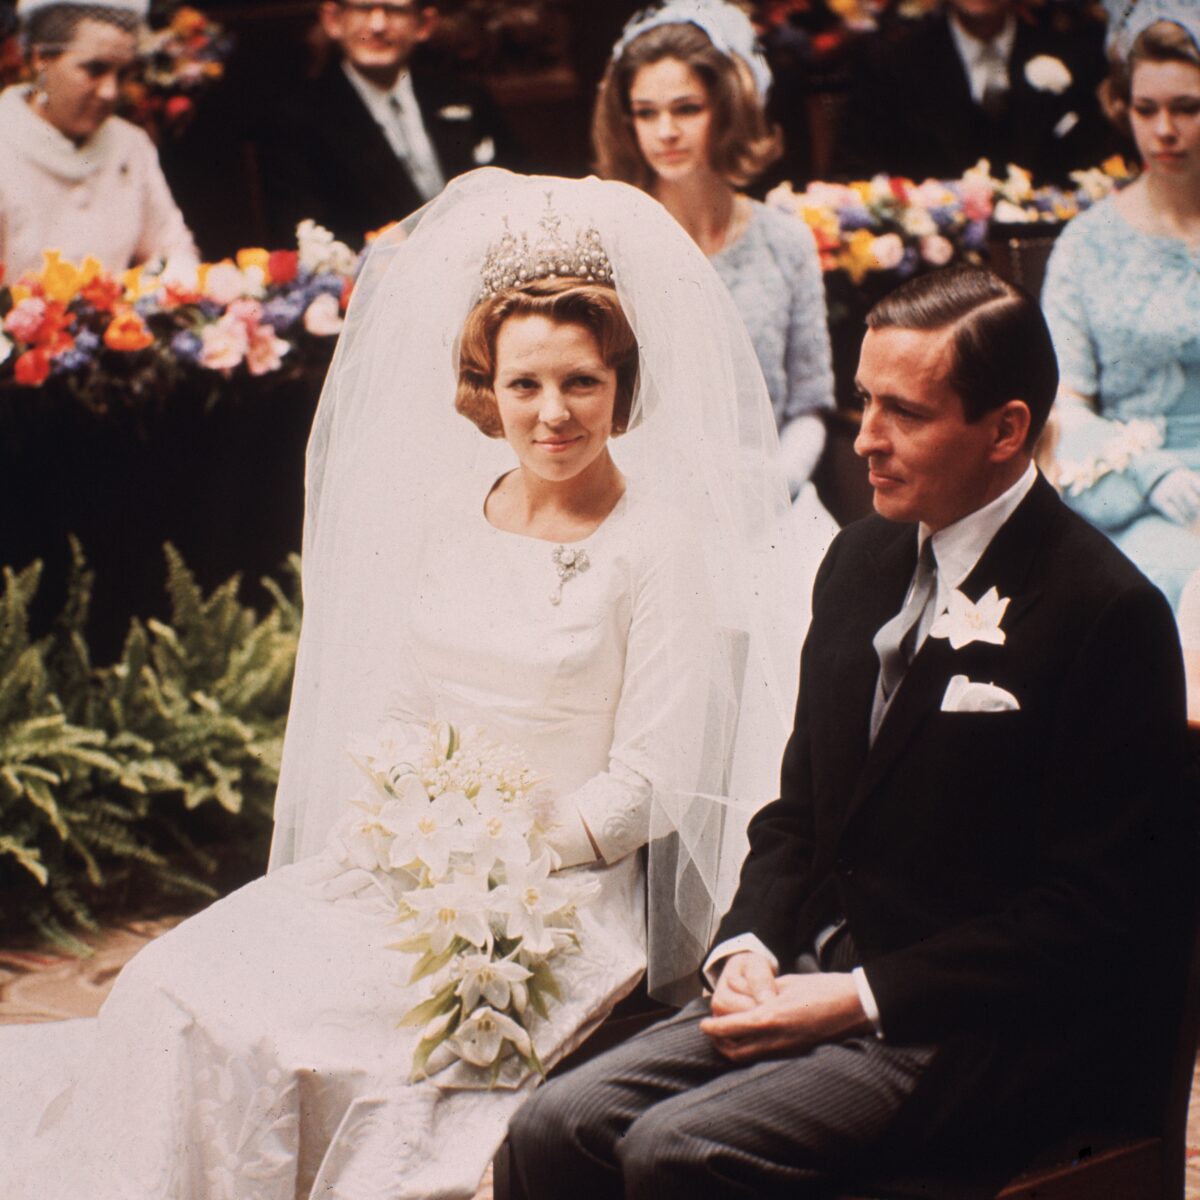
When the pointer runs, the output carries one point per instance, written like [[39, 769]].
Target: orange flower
[[344, 298], [102, 293], [32, 368], [127, 331], [187, 21]]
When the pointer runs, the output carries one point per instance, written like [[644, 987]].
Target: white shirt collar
[[958, 547], [972, 49], [375, 97]]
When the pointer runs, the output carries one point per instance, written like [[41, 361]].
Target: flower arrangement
[[454, 821], [896, 226], [247, 314], [181, 53]]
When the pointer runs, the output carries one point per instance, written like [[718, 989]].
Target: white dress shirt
[[396, 111], [956, 549], [985, 62]]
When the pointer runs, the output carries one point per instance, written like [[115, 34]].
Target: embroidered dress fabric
[[253, 1053], [1135, 351]]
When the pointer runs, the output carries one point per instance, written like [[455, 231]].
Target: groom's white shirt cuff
[[748, 941]]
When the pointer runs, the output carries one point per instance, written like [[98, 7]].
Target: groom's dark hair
[[1002, 346]]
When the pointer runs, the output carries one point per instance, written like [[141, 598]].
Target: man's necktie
[[895, 643], [425, 175], [994, 98]]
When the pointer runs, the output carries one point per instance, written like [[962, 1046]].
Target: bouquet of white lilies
[[454, 819]]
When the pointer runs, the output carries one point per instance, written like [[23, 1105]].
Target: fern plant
[[146, 778]]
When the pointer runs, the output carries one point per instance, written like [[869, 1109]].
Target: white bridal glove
[[1177, 495]]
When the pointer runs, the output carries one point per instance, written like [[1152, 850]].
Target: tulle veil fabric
[[387, 444]]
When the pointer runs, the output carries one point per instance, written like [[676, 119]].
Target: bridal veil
[[387, 443]]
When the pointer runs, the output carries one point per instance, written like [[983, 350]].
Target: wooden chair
[[1021, 258]]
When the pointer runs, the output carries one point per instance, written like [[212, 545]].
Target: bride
[[588, 567]]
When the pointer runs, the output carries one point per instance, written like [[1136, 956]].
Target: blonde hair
[[567, 301], [743, 143], [1164, 41]]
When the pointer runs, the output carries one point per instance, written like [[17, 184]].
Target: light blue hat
[[1127, 19], [727, 27]]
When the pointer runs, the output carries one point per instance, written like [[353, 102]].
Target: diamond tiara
[[516, 259]]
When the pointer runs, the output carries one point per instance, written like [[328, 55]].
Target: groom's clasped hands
[[757, 1014]]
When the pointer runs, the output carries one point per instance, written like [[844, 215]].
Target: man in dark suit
[[976, 81], [961, 928], [378, 132]]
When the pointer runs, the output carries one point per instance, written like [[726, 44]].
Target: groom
[[960, 930]]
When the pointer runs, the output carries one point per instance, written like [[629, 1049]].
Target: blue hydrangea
[[908, 263], [186, 346], [975, 235], [282, 312], [326, 282], [851, 219]]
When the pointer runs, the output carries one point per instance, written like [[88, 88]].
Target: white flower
[[493, 980], [367, 834], [937, 250], [432, 830], [480, 1038], [1048, 74], [964, 622], [5, 348], [502, 834], [226, 283], [918, 223], [888, 251], [457, 907], [528, 898], [323, 318], [319, 252], [1008, 213]]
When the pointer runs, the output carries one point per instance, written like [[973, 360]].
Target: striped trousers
[[665, 1117]]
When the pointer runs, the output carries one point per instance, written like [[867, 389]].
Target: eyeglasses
[[391, 11]]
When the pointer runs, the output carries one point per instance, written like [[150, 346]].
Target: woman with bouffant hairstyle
[[1122, 298], [563, 301], [681, 114]]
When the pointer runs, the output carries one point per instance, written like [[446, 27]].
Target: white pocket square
[[962, 695], [456, 112]]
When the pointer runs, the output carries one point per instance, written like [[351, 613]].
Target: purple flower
[[975, 234], [186, 346], [851, 219], [909, 263], [946, 217], [87, 341], [325, 282], [282, 312]]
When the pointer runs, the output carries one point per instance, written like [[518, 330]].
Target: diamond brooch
[[568, 562]]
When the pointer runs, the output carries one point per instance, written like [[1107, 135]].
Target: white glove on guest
[[1177, 496]]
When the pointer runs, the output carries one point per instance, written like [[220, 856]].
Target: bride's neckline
[[614, 512]]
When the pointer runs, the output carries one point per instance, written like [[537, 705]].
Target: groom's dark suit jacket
[[1018, 883]]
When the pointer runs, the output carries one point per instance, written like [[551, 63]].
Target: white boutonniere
[[484, 152], [1048, 74], [964, 622], [456, 112]]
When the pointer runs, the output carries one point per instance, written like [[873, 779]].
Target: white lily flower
[[457, 907], [432, 830], [480, 1038], [502, 834], [964, 622], [527, 898], [493, 980]]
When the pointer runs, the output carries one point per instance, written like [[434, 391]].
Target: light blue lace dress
[[774, 276], [1124, 310]]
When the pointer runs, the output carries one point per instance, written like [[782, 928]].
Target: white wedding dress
[[253, 1052]]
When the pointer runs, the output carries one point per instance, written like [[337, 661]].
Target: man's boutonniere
[[1048, 74], [964, 622]]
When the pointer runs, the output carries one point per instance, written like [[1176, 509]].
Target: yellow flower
[[255, 256], [863, 188], [19, 292], [1116, 167], [187, 21], [858, 256], [60, 279]]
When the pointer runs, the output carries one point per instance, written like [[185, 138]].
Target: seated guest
[[1122, 297], [961, 931], [74, 177], [680, 113], [378, 132], [975, 81]]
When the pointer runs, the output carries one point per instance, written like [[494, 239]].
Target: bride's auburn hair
[[566, 301], [742, 142]]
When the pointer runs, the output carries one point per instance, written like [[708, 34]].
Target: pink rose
[[24, 321], [265, 352], [248, 312], [977, 199], [224, 344]]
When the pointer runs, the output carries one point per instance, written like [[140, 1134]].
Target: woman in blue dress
[[1122, 297]]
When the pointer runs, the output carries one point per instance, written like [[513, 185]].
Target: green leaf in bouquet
[[452, 742], [532, 1061], [543, 979], [430, 963], [439, 1003]]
